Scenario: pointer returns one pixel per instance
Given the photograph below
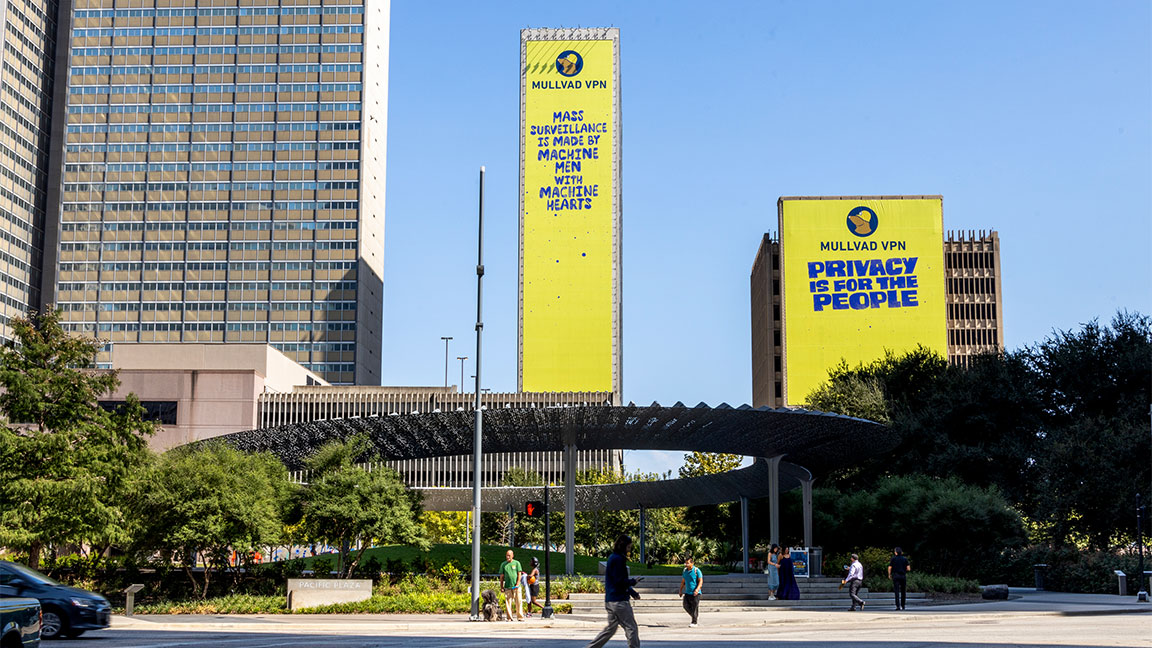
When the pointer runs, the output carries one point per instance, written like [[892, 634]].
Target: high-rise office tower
[[973, 319], [223, 167], [26, 79]]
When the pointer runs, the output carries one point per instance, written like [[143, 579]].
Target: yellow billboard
[[862, 275], [569, 213]]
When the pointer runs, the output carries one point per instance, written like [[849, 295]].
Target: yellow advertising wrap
[[861, 276], [568, 219]]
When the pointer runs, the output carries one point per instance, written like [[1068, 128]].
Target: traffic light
[[534, 509]]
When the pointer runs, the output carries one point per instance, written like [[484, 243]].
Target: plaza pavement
[[1029, 618]]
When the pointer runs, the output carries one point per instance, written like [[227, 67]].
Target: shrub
[[1070, 569], [321, 567], [928, 583]]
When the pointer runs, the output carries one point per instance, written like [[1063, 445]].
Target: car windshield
[[30, 574]]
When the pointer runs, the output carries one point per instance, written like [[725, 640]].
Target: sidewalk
[[1022, 603]]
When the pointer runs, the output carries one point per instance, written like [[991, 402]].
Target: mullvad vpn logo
[[862, 221], [569, 63]]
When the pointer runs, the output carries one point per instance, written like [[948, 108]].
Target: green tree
[[945, 525], [200, 503], [345, 502], [714, 521], [851, 394], [698, 464], [1096, 385], [446, 527], [64, 460]]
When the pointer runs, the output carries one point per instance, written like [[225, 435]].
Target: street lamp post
[[446, 340], [461, 359], [477, 454]]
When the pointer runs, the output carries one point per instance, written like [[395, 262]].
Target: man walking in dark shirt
[[617, 588], [898, 569]]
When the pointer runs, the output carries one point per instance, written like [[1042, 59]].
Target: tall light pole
[[446, 340], [478, 433], [461, 359]]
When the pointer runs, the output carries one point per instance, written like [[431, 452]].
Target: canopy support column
[[744, 529], [643, 554], [774, 499], [570, 508], [806, 486]]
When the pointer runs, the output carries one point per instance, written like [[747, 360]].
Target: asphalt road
[[830, 629]]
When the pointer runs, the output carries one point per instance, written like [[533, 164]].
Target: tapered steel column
[[570, 509], [774, 499], [744, 529], [806, 486], [643, 555]]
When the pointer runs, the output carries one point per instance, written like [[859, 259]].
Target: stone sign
[[311, 592]]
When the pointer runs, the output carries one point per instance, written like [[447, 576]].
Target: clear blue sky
[[1029, 118]]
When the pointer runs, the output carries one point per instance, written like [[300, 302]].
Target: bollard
[[1122, 580], [131, 597]]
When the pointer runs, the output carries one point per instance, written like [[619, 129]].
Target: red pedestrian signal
[[534, 509]]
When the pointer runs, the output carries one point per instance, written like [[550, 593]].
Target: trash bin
[[816, 561], [1039, 570]]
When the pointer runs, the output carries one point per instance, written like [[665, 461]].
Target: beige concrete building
[[26, 93], [200, 391], [973, 293], [222, 176]]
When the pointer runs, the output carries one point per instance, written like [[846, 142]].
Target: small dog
[[490, 607]]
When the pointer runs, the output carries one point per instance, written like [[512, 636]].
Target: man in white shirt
[[854, 580]]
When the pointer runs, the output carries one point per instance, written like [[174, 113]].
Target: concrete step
[[728, 598], [726, 589], [596, 611]]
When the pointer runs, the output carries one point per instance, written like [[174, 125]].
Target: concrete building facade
[[973, 292], [201, 391], [27, 70], [222, 169]]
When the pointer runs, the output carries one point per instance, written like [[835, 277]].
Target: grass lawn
[[493, 555]]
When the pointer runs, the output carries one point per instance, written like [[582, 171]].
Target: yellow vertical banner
[[862, 276], [569, 217]]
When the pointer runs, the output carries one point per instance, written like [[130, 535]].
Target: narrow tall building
[[27, 68], [222, 172], [975, 300]]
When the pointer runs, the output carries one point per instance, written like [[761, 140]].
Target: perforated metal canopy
[[812, 442]]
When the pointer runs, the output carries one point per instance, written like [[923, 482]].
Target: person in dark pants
[[690, 583], [617, 589], [898, 569], [853, 581]]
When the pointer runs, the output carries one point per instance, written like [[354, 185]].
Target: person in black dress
[[789, 590]]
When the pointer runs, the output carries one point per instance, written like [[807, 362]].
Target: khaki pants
[[619, 614], [513, 595]]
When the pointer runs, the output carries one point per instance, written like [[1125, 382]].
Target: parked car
[[19, 623], [67, 611]]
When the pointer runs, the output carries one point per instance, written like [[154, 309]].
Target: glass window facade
[[213, 186], [26, 86]]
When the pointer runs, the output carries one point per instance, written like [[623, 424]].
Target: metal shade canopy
[[813, 443], [751, 482]]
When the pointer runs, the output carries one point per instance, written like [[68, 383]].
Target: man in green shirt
[[510, 571]]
